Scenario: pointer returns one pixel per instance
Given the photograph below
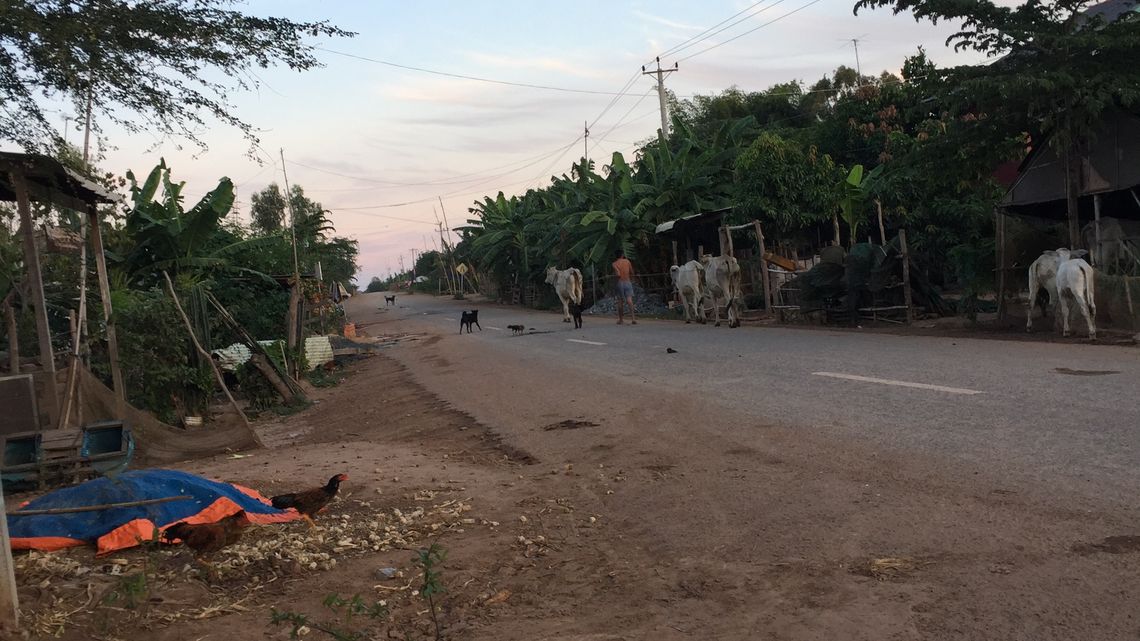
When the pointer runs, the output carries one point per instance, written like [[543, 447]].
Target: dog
[[389, 300], [576, 310], [467, 319], [516, 329]]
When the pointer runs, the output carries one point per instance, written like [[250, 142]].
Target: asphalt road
[[1055, 417]]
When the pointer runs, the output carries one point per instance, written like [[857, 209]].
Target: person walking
[[623, 269]]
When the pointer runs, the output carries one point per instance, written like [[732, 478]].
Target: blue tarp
[[117, 528]]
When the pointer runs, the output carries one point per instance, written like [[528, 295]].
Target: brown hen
[[309, 502]]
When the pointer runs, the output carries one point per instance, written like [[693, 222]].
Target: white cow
[[722, 278], [1043, 276], [689, 281], [568, 285], [1075, 282]]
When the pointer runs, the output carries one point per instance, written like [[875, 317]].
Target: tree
[[1060, 68], [161, 64], [267, 210], [777, 181]]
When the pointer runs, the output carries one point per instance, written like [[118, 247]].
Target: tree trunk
[[835, 227], [1073, 194], [262, 364]]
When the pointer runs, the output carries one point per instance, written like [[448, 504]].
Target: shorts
[[625, 289]]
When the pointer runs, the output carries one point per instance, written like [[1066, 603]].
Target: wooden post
[[206, 355], [882, 229], [721, 234], [36, 285], [9, 604], [999, 221], [906, 277], [13, 339], [675, 253], [764, 268], [77, 330], [1096, 225], [108, 315]]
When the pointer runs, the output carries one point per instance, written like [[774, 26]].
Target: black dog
[[389, 300], [516, 329], [467, 319], [576, 310]]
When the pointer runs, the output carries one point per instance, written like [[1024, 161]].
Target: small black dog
[[516, 329], [389, 300], [576, 310], [467, 319]]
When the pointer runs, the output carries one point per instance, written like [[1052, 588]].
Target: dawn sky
[[363, 137]]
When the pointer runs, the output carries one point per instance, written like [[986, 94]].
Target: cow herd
[[715, 279]]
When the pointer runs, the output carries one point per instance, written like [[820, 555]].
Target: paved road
[[1001, 405]]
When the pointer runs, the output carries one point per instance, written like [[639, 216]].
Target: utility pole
[[661, 73], [292, 335], [858, 67], [586, 142]]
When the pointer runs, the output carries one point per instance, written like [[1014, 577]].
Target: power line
[[726, 27], [466, 77], [680, 46], [741, 35]]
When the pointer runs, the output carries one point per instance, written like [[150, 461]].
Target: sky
[[390, 151]]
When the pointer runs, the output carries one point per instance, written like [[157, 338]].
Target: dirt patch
[[569, 424], [1084, 372], [1123, 544]]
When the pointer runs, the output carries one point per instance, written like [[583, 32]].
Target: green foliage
[[973, 265], [376, 285], [155, 354], [344, 628], [165, 237], [854, 192], [161, 66], [779, 183], [431, 583]]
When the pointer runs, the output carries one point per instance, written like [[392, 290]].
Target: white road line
[[497, 329], [886, 381], [577, 340]]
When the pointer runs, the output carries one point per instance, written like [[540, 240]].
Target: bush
[[158, 370]]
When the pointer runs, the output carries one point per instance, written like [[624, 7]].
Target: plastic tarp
[[200, 501]]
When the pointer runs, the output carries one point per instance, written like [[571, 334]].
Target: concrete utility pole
[[661, 73]]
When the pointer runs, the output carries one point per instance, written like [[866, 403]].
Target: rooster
[[204, 538], [309, 502]]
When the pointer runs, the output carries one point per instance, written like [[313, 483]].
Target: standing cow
[[568, 285], [689, 281], [1043, 277], [722, 278], [1075, 283]]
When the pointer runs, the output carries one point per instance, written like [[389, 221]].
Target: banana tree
[[615, 220], [163, 236], [855, 193]]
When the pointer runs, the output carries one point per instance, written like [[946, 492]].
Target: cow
[[1075, 282], [689, 281], [722, 278], [568, 285], [1043, 277]]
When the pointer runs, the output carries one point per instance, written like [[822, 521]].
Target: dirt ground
[[596, 525]]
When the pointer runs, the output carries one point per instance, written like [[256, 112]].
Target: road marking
[[578, 340], [887, 381], [497, 329]]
